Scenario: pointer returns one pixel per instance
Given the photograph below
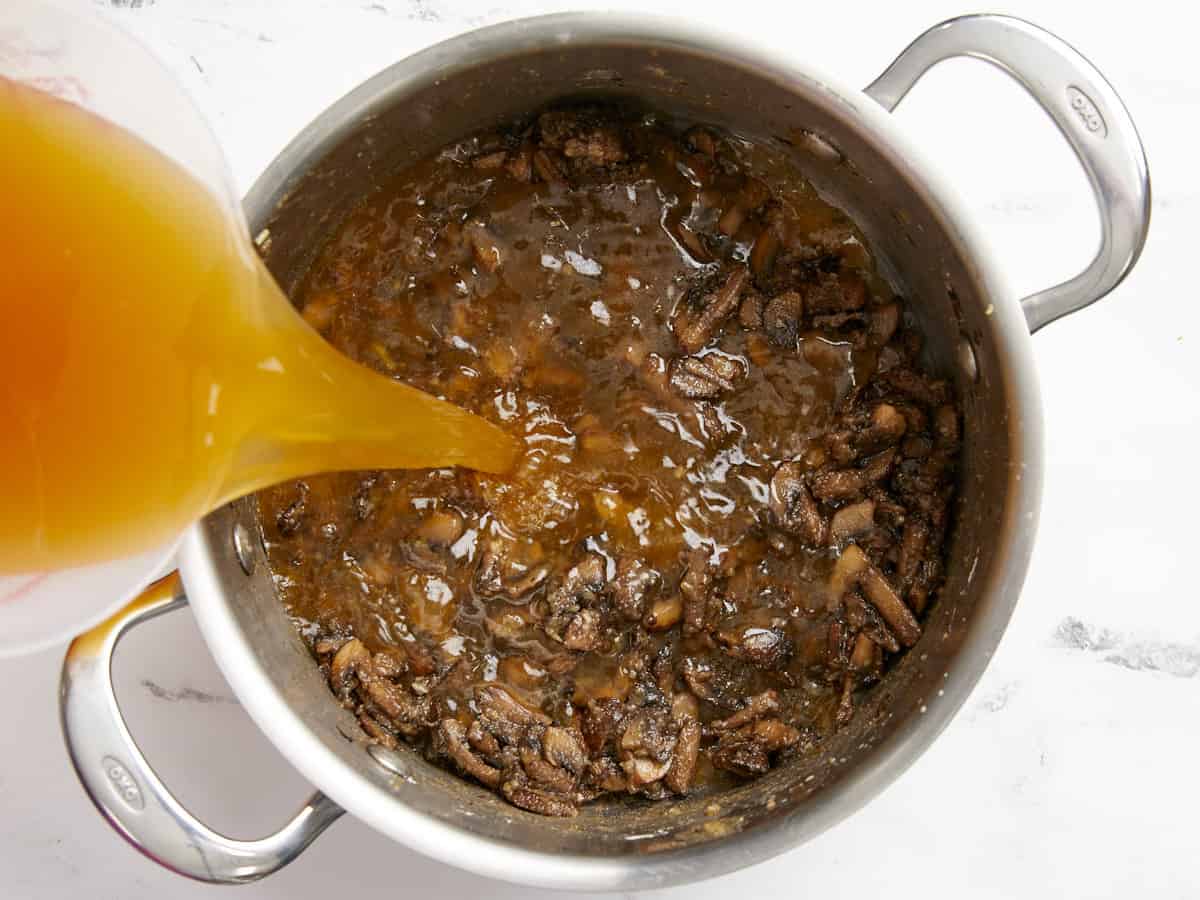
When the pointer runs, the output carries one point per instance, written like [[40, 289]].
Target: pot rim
[[491, 856]]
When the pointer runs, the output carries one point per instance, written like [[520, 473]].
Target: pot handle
[[1086, 110], [125, 789]]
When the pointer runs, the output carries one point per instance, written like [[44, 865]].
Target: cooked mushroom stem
[[854, 569], [756, 707]]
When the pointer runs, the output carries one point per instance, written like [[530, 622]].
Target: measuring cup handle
[[1086, 110], [124, 787]]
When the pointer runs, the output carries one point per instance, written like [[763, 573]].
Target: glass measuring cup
[[151, 369]]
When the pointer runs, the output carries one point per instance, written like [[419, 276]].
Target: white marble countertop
[[1071, 772]]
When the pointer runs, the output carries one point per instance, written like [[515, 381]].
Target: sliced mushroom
[[641, 771], [454, 736], [852, 521], [832, 294], [694, 588], [781, 318], [747, 758], [865, 654], [793, 507], [772, 734], [500, 704], [606, 775], [750, 313], [925, 390], [635, 581], [564, 748], [694, 329], [577, 591], [764, 251], [706, 377], [913, 542], [489, 161], [544, 773], [352, 659], [540, 802], [683, 764], [756, 707], [841, 485], [854, 569], [886, 427]]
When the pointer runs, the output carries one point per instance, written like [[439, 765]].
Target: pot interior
[[480, 81]]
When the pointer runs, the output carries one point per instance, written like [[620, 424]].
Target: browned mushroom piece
[[687, 753], [756, 707], [854, 569], [378, 731], [885, 428], [841, 485], [634, 583], [564, 748], [483, 741], [488, 161], [519, 165], [852, 521], [541, 802], [646, 747], [772, 734], [792, 505], [496, 701], [582, 631], [348, 664], [845, 707], [945, 424], [744, 757], [781, 318], [750, 313], [694, 588], [764, 251], [913, 542], [833, 294], [600, 147], [695, 327], [764, 648], [510, 568], [927, 391], [577, 591], [706, 377], [549, 167], [454, 737], [288, 521]]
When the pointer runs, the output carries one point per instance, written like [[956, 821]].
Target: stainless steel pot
[[979, 336]]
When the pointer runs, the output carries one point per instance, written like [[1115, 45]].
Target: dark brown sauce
[[665, 549]]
